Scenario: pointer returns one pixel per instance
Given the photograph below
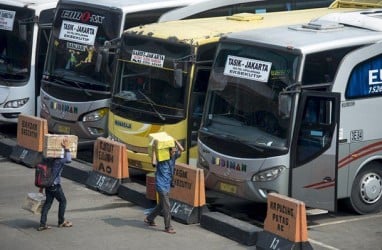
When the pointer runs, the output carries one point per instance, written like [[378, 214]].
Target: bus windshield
[[243, 93], [77, 39], [16, 30], [152, 79]]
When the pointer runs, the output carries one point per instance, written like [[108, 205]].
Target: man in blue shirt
[[55, 191], [163, 179]]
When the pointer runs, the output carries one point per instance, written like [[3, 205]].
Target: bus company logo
[[122, 124], [63, 107], [229, 164], [84, 17]]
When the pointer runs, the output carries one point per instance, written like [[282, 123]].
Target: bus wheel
[[366, 193]]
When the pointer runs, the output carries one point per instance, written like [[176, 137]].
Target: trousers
[[54, 192]]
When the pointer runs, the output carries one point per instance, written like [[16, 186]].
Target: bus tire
[[366, 192]]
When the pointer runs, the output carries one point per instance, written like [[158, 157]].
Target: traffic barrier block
[[31, 131], [285, 225], [109, 166], [232, 228], [30, 138], [188, 194]]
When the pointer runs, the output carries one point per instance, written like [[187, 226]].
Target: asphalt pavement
[[99, 221]]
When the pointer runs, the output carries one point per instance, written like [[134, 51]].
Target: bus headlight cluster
[[44, 108], [269, 174], [16, 103], [95, 115], [203, 163]]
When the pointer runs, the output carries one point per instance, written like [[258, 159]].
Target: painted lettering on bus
[[229, 164], [64, 107], [122, 124], [85, 17], [375, 76]]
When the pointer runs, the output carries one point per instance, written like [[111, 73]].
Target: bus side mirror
[[285, 103], [178, 78]]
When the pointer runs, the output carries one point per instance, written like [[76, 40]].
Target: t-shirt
[[164, 172]]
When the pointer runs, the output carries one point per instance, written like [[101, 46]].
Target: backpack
[[43, 175]]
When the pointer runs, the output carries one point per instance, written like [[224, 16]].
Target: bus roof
[[128, 6], [206, 30], [199, 7], [37, 5], [317, 35]]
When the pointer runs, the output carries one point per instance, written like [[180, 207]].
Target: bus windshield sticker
[[7, 18], [246, 68], [78, 32], [147, 58]]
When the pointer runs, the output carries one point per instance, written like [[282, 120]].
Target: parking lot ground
[[100, 221]]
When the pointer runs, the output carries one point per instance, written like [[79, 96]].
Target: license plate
[[228, 188], [63, 129]]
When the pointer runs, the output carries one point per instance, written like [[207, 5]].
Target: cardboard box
[[164, 142], [34, 202], [53, 148]]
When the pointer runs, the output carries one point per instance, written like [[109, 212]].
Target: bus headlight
[[16, 103], [95, 115], [269, 174]]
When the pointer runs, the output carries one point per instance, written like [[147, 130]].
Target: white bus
[[24, 34], [296, 112], [76, 84]]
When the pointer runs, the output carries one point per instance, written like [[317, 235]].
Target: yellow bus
[[162, 73]]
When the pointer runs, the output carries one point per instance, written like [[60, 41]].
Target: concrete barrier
[[285, 226], [30, 139], [109, 166]]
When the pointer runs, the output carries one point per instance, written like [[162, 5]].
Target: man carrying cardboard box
[[55, 191], [163, 179]]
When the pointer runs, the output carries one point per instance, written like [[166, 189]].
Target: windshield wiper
[[152, 103], [67, 83]]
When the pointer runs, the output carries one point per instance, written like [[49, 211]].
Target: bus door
[[314, 150]]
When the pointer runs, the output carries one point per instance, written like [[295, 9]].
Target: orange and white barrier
[[188, 196], [285, 226], [110, 166], [30, 140]]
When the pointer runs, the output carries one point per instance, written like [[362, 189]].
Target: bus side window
[[197, 101]]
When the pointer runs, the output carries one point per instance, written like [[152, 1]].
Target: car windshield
[[242, 102]]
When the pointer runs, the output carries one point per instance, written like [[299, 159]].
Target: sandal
[[66, 224], [170, 230], [150, 223], [42, 228]]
